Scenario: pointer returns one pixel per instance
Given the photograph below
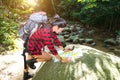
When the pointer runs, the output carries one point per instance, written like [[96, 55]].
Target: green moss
[[93, 65]]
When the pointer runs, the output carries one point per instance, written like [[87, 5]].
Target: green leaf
[[78, 0]]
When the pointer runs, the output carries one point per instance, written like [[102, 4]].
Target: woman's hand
[[65, 60], [68, 49]]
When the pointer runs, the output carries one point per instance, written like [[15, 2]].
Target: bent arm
[[56, 40]]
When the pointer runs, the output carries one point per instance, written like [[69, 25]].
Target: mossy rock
[[92, 65]]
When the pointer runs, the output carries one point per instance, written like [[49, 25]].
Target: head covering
[[60, 22]]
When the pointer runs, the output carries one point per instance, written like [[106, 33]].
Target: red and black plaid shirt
[[43, 37]]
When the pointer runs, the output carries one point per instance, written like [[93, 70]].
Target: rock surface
[[92, 65]]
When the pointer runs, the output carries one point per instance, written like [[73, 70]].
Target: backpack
[[35, 21]]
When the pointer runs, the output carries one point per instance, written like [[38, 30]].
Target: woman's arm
[[62, 48], [66, 49], [63, 60]]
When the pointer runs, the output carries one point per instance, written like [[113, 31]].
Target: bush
[[8, 30]]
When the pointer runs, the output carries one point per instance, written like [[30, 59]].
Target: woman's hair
[[60, 22], [56, 16]]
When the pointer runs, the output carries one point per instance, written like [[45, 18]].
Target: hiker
[[46, 36], [35, 21]]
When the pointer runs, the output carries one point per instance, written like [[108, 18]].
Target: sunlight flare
[[31, 2]]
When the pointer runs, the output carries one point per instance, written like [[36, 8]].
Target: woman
[[46, 36]]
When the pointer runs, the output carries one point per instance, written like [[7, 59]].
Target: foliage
[[69, 9], [11, 12], [15, 9], [99, 13], [105, 13], [118, 32], [8, 32]]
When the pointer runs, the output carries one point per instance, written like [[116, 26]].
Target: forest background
[[102, 14]]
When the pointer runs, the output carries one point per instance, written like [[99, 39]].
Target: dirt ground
[[99, 36]]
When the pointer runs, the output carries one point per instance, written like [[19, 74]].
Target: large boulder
[[88, 64]]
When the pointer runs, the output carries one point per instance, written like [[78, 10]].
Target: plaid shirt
[[43, 37]]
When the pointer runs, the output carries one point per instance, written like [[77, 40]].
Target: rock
[[118, 40], [93, 44], [74, 39], [68, 40], [91, 65], [110, 41], [66, 36], [62, 40], [74, 33], [73, 28], [81, 35], [80, 32], [117, 52], [90, 41], [90, 33], [67, 30], [81, 40], [78, 28]]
